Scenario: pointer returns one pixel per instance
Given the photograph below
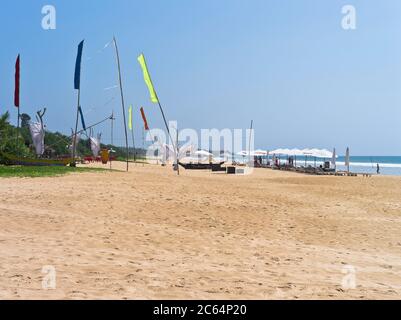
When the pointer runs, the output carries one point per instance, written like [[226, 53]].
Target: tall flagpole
[[112, 137], [148, 80], [77, 86], [74, 146], [122, 100], [18, 121], [18, 128], [131, 125], [17, 93], [164, 119], [146, 127], [143, 144], [133, 144], [165, 122], [168, 131]]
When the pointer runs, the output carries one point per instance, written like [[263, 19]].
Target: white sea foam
[[366, 164], [352, 164]]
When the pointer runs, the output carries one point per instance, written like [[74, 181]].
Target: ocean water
[[389, 165]]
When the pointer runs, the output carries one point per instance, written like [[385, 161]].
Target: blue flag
[[82, 118], [77, 78]]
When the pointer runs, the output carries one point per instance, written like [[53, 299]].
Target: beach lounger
[[218, 167], [231, 170]]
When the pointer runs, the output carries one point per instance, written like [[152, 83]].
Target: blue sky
[[286, 64]]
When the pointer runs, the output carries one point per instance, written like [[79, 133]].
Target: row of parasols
[[316, 153], [305, 153]]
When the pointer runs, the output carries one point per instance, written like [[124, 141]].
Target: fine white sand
[[149, 234]]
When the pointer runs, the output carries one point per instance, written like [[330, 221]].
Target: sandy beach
[[149, 234]]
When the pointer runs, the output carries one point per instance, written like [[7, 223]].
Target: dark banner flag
[[77, 78], [145, 122], [17, 82], [82, 118]]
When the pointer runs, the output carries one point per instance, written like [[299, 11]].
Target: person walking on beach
[[378, 169]]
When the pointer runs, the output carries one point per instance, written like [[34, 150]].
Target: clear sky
[[286, 64]]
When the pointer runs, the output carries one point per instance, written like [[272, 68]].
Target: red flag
[[17, 86], [145, 122]]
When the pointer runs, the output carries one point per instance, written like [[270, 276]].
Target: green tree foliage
[[25, 118], [10, 140], [56, 142]]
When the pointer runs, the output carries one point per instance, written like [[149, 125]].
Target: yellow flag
[[148, 81], [130, 118]]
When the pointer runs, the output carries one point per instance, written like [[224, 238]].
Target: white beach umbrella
[[295, 152], [323, 153], [203, 153], [279, 151], [307, 152], [286, 152], [259, 153], [317, 153], [290, 152], [242, 153]]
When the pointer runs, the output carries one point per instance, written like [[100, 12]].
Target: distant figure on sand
[[378, 169]]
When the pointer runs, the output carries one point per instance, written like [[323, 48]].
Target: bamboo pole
[[122, 100], [164, 118], [74, 146], [143, 144], [133, 144], [77, 87], [19, 104], [112, 138]]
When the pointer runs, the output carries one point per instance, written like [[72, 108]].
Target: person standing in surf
[[378, 169]]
